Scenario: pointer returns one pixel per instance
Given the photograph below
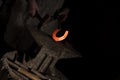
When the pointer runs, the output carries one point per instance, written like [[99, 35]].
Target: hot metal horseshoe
[[55, 38]]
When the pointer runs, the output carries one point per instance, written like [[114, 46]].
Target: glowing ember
[[55, 38]]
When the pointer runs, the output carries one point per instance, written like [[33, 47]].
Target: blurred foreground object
[[23, 31]]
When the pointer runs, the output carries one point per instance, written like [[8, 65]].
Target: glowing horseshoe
[[55, 38]]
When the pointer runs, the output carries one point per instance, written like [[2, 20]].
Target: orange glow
[[55, 38]]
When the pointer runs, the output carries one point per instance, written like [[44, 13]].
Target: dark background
[[100, 61], [106, 38]]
